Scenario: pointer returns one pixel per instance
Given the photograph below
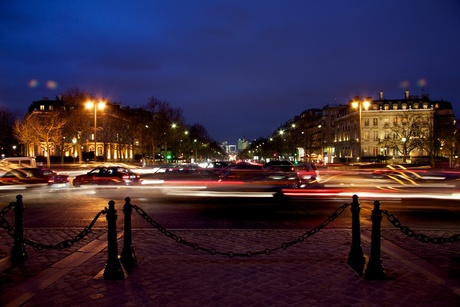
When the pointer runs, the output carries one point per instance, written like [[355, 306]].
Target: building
[[391, 130]]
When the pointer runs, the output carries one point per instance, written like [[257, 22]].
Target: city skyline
[[240, 69]]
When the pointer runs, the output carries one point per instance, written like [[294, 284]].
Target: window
[[395, 106], [387, 135], [375, 151], [366, 122], [386, 107], [376, 136], [51, 108], [366, 135], [395, 121], [375, 121], [42, 107]]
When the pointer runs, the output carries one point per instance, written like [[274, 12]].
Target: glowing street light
[[359, 104], [100, 106]]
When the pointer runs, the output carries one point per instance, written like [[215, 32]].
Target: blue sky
[[240, 68]]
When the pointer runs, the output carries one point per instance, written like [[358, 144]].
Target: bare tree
[[162, 122], [43, 129], [24, 131], [7, 119], [78, 123], [414, 131]]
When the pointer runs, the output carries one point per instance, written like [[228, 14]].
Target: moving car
[[307, 173], [112, 175], [304, 173], [35, 175], [283, 166]]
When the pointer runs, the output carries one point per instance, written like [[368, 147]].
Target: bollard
[[374, 269], [356, 256], [114, 270], [18, 253], [128, 257]]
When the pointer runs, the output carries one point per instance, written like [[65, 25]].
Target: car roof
[[277, 163]]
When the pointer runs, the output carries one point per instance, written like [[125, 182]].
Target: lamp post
[[100, 106], [358, 104]]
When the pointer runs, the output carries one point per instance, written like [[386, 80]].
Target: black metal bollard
[[356, 256], [128, 257], [18, 253], [114, 270], [374, 269]]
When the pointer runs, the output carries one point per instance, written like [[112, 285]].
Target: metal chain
[[231, 254], [418, 236], [60, 245], [4, 223]]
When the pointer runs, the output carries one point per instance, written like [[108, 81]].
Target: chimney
[[381, 95], [407, 95]]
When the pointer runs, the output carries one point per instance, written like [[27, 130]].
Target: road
[[181, 205]]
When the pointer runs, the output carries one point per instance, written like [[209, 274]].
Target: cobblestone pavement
[[311, 273]]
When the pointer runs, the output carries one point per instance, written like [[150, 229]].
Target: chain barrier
[[232, 254], [418, 236], [61, 245], [4, 223]]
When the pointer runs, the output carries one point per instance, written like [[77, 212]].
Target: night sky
[[240, 68]]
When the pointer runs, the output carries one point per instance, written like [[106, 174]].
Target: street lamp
[[358, 104], [100, 106]]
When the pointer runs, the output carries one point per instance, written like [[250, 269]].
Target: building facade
[[391, 130]]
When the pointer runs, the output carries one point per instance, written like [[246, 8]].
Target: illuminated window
[[42, 107], [366, 135], [375, 150], [375, 135], [387, 135]]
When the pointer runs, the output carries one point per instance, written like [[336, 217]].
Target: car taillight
[[125, 177], [51, 180]]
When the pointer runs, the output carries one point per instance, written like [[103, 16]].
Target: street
[[207, 206]]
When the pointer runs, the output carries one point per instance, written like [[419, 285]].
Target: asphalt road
[[189, 207]]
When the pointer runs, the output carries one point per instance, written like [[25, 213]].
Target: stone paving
[[311, 273]]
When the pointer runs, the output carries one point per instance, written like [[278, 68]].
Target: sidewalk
[[311, 273]]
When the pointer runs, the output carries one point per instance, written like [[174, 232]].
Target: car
[[112, 175], [281, 165], [241, 171], [14, 176], [35, 175], [215, 166], [47, 175], [307, 173]]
